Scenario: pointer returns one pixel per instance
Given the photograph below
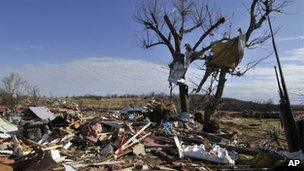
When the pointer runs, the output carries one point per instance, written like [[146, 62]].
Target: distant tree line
[[14, 89], [197, 101]]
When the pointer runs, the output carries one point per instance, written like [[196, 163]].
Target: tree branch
[[250, 65], [149, 45], [193, 28], [219, 22], [254, 24], [160, 34], [174, 33]]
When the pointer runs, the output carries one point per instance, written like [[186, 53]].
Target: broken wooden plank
[[33, 143]]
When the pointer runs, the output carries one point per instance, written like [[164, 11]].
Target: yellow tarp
[[228, 54]]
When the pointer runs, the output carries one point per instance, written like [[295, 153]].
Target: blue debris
[[131, 117], [167, 126], [184, 117]]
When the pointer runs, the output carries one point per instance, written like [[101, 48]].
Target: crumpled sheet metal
[[43, 113], [228, 54], [6, 126]]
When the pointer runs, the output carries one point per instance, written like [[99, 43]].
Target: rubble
[[157, 137], [216, 153], [6, 126]]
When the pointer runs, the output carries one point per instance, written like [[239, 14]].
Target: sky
[[75, 47]]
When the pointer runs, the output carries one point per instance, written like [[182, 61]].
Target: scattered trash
[[15, 118], [6, 126], [42, 112], [216, 154], [159, 111], [167, 126], [139, 149], [67, 138], [184, 117]]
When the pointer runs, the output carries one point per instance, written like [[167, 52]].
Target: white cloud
[[96, 76], [296, 55], [260, 83], [291, 38], [103, 76]]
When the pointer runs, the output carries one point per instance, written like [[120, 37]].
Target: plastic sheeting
[[217, 154], [228, 54], [180, 67], [177, 73]]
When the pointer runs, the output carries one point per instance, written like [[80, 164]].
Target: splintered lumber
[[35, 144], [134, 142], [106, 163], [133, 139], [290, 128], [134, 136], [163, 155]]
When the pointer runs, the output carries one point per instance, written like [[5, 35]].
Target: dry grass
[[112, 103]]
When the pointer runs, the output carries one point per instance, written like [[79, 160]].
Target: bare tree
[[14, 87], [34, 93], [259, 11], [170, 28], [14, 84]]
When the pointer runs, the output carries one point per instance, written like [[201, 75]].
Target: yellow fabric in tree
[[228, 54]]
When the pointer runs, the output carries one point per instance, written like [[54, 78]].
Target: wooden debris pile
[[154, 139]]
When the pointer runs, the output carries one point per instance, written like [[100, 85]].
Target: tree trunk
[[213, 103], [184, 98]]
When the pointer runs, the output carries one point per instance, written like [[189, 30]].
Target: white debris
[[56, 156], [177, 73], [217, 154], [8, 152], [43, 113], [67, 145], [6, 126], [44, 138], [5, 135]]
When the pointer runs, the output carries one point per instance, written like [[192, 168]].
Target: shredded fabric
[[228, 54]]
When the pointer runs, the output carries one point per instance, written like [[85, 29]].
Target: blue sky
[[48, 34]]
